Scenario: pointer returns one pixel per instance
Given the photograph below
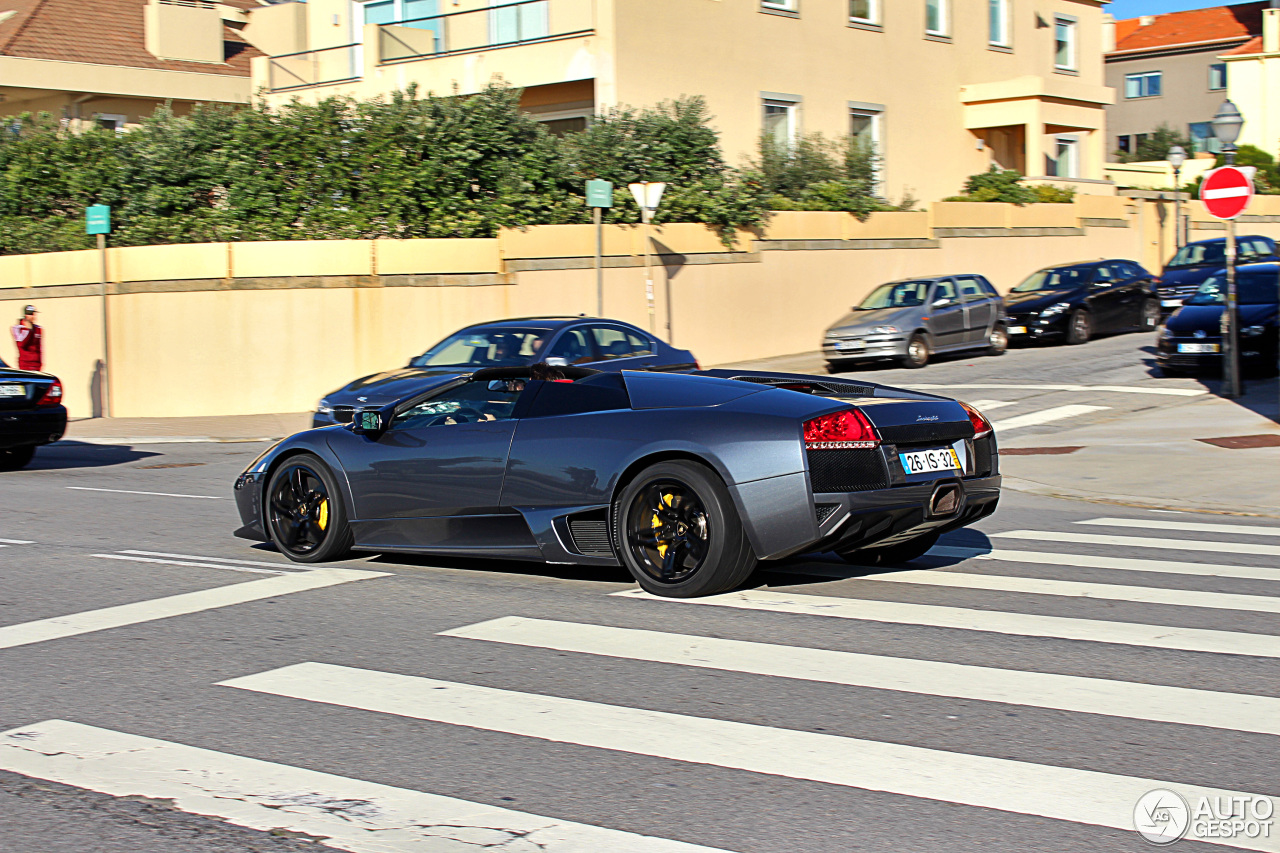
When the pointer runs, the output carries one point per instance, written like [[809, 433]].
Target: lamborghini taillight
[[981, 426], [847, 430]]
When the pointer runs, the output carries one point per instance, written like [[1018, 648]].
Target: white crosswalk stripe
[[1095, 561], [1062, 793], [16, 542], [1045, 416], [1186, 526], [1141, 542], [1091, 389], [997, 622], [1233, 711], [348, 814]]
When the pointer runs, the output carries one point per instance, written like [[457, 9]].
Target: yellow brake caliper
[[657, 523], [323, 519]]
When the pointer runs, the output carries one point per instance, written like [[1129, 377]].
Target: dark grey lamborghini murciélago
[[688, 480]]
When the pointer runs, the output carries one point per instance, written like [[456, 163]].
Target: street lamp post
[[1226, 126], [1176, 157], [648, 196]]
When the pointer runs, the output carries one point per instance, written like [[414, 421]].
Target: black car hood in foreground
[[1208, 318], [1038, 300]]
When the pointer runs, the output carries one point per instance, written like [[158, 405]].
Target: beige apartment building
[[943, 88], [1173, 70], [112, 62]]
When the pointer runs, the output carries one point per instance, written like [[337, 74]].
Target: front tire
[[917, 354], [304, 513], [1079, 327], [678, 533], [903, 552], [16, 457], [998, 340]]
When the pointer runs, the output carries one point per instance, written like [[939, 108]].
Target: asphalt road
[[1006, 695]]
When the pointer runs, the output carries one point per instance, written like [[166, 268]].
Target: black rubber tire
[[1079, 327], [903, 552], [729, 559], [838, 366], [917, 355], [1150, 315], [337, 540], [16, 457], [998, 340]]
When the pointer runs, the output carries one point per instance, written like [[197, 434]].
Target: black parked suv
[[1195, 262], [1073, 302], [31, 414]]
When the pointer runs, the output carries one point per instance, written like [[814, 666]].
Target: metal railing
[[506, 25], [313, 67]]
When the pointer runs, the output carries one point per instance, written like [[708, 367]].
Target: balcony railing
[[313, 67], [506, 25]]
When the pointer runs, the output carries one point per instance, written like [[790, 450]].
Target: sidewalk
[[215, 429], [1157, 459]]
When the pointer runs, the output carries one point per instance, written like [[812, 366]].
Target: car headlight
[[1055, 310], [1164, 334], [324, 407], [1252, 331], [885, 330]]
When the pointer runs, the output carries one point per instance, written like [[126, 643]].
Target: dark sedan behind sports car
[[1195, 262], [1073, 302], [561, 341], [1192, 338], [31, 414], [688, 480]]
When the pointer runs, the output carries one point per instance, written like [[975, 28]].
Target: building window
[[110, 121], [780, 5], [1145, 85], [864, 11], [935, 17], [998, 23], [513, 24], [1064, 51], [1203, 138], [866, 127], [1064, 162], [561, 122], [780, 121], [410, 13], [1217, 76], [1124, 144]]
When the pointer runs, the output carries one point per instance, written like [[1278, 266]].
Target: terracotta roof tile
[[1219, 23], [108, 32], [1253, 45]]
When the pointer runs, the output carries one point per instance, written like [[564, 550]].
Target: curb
[[153, 439]]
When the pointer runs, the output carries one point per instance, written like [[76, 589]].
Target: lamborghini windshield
[[488, 348]]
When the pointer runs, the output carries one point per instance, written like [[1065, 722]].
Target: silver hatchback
[[910, 320]]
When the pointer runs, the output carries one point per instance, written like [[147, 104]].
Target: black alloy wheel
[[891, 555], [1150, 314], [679, 534], [1079, 327], [16, 457], [917, 354], [998, 340], [304, 512]]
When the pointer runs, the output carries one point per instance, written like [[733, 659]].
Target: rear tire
[[303, 511], [678, 533], [917, 354], [903, 552], [837, 366], [1079, 327], [16, 457], [998, 340]]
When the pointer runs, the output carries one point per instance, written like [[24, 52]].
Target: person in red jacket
[[28, 336]]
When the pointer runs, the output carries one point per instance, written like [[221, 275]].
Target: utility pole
[[648, 195], [97, 221], [599, 196]]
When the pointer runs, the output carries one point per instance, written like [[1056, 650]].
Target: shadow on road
[[1261, 387], [73, 454], [593, 574], [824, 568]]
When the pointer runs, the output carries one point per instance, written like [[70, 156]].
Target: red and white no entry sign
[[1227, 191]]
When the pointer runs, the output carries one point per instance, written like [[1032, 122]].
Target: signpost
[[599, 196], [1226, 193], [97, 221], [648, 196]]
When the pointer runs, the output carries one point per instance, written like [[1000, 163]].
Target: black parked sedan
[[31, 414], [1192, 339], [1073, 302], [687, 480], [1195, 262], [561, 341]]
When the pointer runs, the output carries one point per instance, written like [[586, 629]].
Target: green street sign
[[97, 219], [599, 194]]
